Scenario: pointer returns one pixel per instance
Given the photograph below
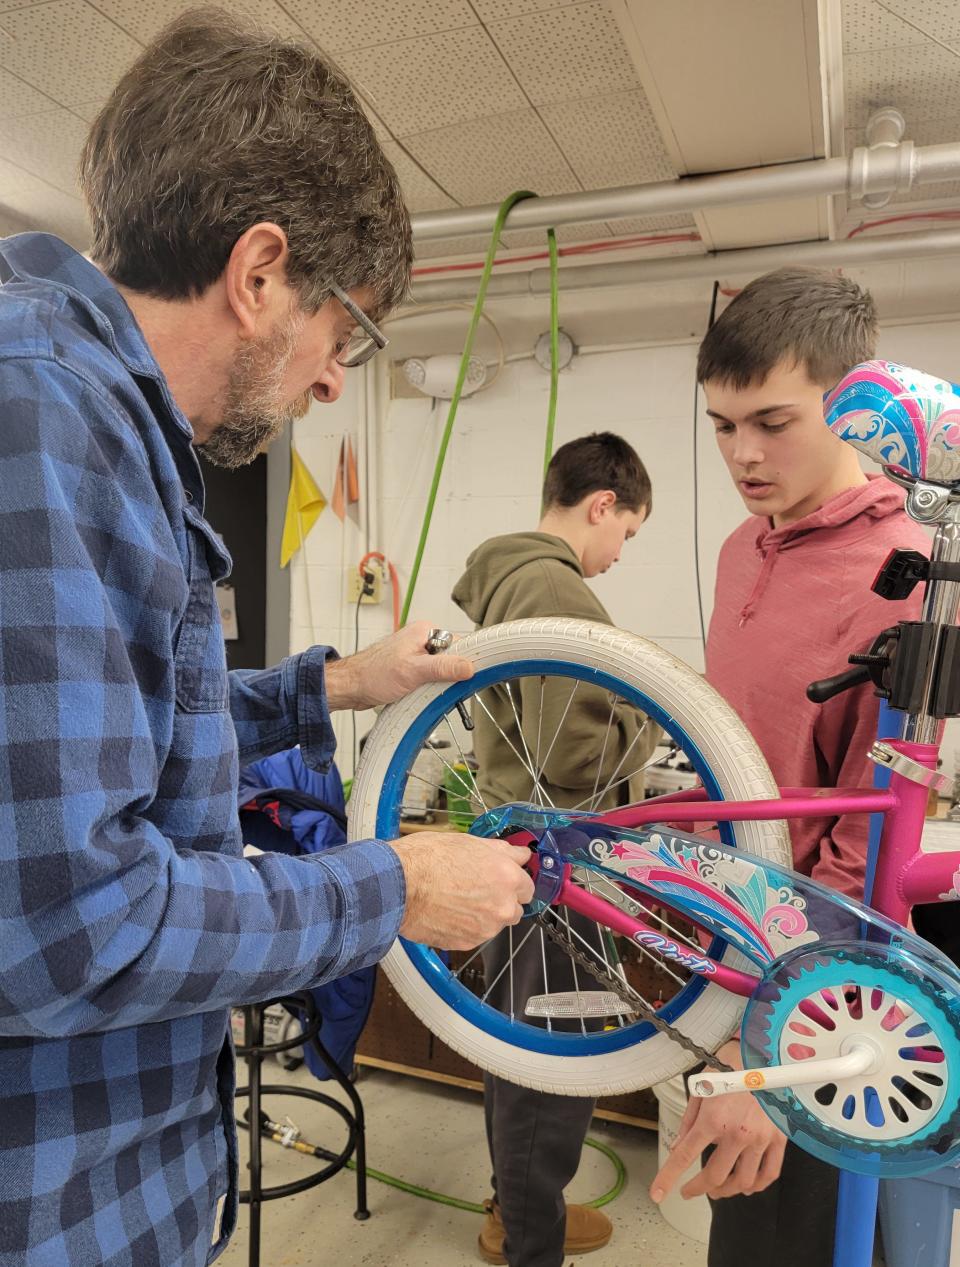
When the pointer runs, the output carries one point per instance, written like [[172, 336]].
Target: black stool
[[254, 1050]]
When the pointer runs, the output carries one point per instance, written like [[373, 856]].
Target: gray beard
[[252, 419]]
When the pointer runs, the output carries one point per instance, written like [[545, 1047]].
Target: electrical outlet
[[355, 585]]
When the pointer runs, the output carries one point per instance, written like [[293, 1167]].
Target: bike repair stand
[[254, 1049], [857, 1195]]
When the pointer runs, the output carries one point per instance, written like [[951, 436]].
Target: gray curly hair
[[218, 126]]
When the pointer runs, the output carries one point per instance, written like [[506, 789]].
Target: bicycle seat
[[900, 417]]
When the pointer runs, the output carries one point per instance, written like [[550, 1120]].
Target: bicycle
[[851, 1034]]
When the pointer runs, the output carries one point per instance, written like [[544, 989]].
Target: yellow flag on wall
[[304, 504]]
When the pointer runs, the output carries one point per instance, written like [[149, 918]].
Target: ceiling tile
[[88, 110], [66, 49], [566, 53], [48, 145], [937, 18], [434, 81], [497, 10], [419, 191], [338, 26], [921, 87], [41, 207], [483, 160], [18, 98], [638, 155], [143, 21], [867, 27]]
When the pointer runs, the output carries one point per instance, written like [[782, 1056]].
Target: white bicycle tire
[[735, 761]]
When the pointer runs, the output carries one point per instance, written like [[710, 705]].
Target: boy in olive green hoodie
[[595, 497]]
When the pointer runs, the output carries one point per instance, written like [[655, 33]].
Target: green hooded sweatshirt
[[601, 741]]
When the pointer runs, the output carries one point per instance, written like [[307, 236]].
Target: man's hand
[[748, 1150], [389, 669], [461, 890]]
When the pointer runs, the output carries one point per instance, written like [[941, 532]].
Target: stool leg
[[360, 1147], [253, 1038]]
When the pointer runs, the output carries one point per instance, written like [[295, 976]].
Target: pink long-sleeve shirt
[[791, 603]]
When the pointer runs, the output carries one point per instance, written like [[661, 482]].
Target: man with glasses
[[248, 233]]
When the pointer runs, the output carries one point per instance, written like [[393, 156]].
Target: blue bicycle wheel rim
[[429, 964]]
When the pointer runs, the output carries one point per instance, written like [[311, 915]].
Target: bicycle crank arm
[[860, 1059]]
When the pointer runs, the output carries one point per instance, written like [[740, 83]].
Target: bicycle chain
[[628, 994]]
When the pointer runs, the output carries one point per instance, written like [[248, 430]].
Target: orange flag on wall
[[346, 486]]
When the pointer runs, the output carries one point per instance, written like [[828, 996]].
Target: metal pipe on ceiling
[[722, 264], [866, 172]]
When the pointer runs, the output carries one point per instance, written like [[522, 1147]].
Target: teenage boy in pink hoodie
[[793, 599]]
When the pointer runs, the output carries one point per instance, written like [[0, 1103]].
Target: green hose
[[428, 1194], [505, 207]]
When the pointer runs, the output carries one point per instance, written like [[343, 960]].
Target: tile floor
[[433, 1136]]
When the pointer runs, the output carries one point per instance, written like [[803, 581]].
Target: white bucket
[[690, 1218]]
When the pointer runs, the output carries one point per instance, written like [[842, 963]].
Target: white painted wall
[[492, 480]]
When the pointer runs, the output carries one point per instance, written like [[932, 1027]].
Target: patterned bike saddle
[[900, 417]]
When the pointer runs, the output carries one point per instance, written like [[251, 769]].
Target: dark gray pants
[[535, 1138], [789, 1224]]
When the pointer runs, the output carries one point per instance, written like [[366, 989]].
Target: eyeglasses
[[367, 342]]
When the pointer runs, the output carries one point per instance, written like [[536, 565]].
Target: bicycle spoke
[[546, 984], [603, 750], [610, 786], [563, 718], [506, 738], [473, 777], [513, 953], [474, 796], [598, 797], [516, 717]]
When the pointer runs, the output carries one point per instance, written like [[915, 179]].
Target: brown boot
[[587, 1229]]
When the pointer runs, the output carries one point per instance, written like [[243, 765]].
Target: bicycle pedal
[[577, 1003]]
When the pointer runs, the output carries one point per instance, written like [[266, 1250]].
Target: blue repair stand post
[[858, 1194]]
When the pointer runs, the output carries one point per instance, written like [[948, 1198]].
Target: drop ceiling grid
[[67, 48], [610, 140], [144, 21], [47, 145], [497, 10], [434, 81], [940, 18], [566, 53], [867, 28], [338, 27], [482, 160], [926, 86], [18, 98], [419, 191]]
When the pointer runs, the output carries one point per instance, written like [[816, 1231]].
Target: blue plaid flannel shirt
[[129, 920]]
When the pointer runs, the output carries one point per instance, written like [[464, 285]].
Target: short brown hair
[[810, 316], [595, 463], [218, 126]]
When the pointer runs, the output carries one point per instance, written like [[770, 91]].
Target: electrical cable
[[696, 477], [554, 345], [394, 581], [502, 213], [580, 248]]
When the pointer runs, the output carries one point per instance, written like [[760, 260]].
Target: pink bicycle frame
[[905, 876]]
